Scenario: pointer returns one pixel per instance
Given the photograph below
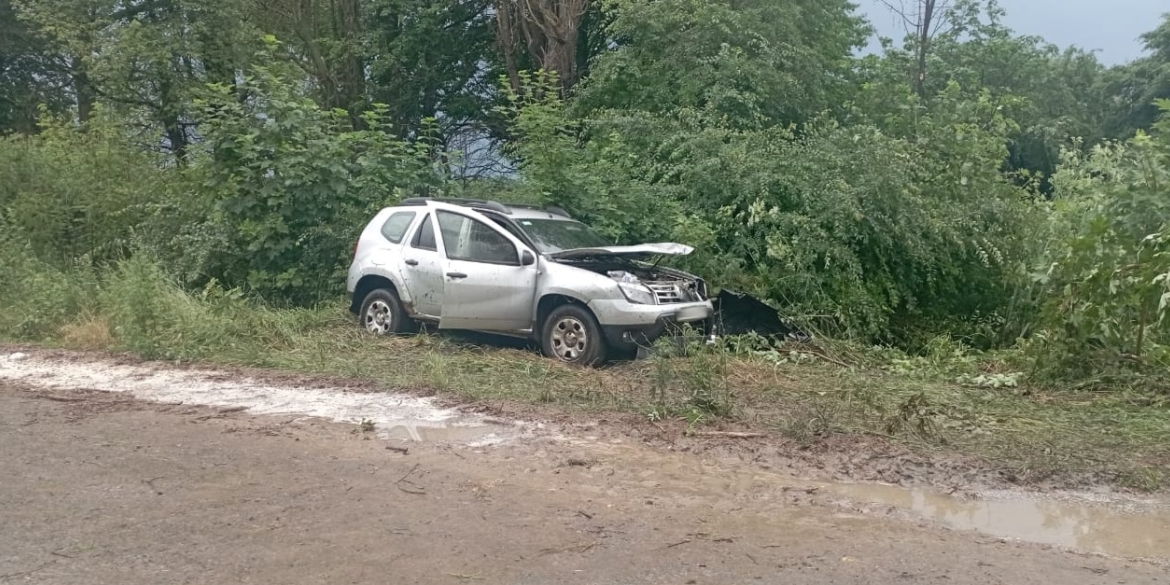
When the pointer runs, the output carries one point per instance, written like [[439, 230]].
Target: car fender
[[575, 283], [394, 278]]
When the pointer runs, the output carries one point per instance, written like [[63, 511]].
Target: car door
[[486, 286], [422, 270]]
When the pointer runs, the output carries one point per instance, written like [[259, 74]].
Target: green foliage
[[152, 315], [826, 183], [1050, 95], [749, 63], [427, 61], [37, 297], [1133, 88], [860, 231], [148, 61], [31, 70], [290, 187], [72, 193], [1104, 274]]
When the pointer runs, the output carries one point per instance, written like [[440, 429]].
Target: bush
[[36, 297], [289, 186], [73, 193], [152, 315], [863, 234], [1104, 275]]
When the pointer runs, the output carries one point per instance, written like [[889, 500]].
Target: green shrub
[[36, 297], [1104, 275], [74, 193], [290, 186]]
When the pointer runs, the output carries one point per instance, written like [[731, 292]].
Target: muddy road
[[124, 474]]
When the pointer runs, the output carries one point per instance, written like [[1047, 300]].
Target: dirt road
[[99, 487]]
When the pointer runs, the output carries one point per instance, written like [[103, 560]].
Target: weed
[[437, 374], [916, 414], [1144, 480], [89, 332]]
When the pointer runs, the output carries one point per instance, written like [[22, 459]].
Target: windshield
[[555, 235]]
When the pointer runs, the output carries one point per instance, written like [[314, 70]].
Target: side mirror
[[527, 259]]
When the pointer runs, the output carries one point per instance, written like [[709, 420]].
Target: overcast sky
[[1110, 27]]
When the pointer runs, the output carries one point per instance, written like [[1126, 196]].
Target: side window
[[395, 227], [424, 236], [467, 239]]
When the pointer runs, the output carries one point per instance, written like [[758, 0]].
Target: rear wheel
[[571, 334], [382, 314]]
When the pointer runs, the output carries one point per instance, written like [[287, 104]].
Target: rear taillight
[[356, 244]]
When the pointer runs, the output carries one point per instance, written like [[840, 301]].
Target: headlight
[[637, 293]]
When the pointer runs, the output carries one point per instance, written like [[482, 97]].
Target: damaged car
[[519, 270]]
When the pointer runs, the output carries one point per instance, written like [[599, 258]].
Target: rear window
[[395, 227]]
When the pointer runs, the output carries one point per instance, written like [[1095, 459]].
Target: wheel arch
[[368, 284], [549, 303]]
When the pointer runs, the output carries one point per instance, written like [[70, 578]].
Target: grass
[[805, 393]]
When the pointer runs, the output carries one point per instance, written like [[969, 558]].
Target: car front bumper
[[630, 326]]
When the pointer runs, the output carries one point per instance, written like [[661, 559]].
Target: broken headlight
[[637, 293]]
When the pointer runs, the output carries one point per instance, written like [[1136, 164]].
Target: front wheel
[[572, 335], [382, 313]]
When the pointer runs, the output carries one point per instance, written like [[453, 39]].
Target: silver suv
[[518, 270]]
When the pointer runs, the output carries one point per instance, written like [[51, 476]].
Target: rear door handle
[[412, 262], [456, 275]]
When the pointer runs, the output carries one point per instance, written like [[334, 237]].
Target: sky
[[1109, 27]]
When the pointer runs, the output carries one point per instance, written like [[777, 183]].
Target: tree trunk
[[925, 32], [550, 29], [351, 76], [83, 91], [508, 40], [170, 114]]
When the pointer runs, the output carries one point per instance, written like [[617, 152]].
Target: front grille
[[669, 293]]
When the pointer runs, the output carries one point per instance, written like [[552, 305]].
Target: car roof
[[513, 210]]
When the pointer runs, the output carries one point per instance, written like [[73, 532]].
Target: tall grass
[[930, 402]]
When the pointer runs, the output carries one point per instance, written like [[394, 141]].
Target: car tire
[[571, 334], [382, 314]]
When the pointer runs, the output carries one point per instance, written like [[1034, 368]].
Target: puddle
[[395, 416], [474, 434], [1123, 528]]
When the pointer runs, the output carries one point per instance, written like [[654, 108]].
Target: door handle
[[412, 262], [456, 275]]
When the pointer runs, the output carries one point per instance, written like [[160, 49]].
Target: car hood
[[641, 250]]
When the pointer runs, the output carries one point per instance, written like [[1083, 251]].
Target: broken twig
[[410, 490]]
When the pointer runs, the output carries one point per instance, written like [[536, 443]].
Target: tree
[[433, 64], [287, 186], [325, 39], [32, 73], [548, 30], [148, 59], [1134, 88], [923, 21], [1054, 95], [748, 62]]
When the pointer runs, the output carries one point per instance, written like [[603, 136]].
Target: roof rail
[[472, 203], [496, 206], [546, 208]]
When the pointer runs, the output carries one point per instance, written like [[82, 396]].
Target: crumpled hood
[[664, 249]]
